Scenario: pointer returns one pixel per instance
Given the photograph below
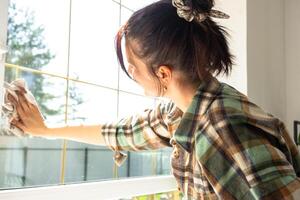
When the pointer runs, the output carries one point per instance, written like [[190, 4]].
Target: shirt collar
[[205, 94]]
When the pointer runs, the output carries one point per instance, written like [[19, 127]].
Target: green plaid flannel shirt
[[224, 146]]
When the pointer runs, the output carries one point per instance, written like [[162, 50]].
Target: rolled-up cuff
[[109, 133], [119, 158]]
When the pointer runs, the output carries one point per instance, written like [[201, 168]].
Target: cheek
[[147, 82], [151, 88]]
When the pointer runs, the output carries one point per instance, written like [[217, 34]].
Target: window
[[65, 52]]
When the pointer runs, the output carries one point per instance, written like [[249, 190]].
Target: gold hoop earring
[[165, 88]]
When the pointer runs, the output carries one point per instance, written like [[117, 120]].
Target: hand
[[31, 120]]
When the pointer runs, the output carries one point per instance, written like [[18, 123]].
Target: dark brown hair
[[163, 38]]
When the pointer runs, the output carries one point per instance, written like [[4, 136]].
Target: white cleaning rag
[[8, 111]]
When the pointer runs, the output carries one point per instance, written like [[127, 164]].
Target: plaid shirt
[[224, 146]]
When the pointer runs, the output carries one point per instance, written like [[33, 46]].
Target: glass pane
[[125, 14], [23, 159], [150, 163], [90, 162], [135, 5], [130, 104], [38, 38], [92, 56], [23, 162], [91, 104], [139, 161]]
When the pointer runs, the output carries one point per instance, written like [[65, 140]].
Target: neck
[[182, 96]]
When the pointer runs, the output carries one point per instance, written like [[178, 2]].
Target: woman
[[224, 146]]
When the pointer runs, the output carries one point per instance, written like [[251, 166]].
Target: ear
[[164, 73]]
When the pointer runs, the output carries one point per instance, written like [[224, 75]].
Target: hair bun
[[197, 10], [201, 6]]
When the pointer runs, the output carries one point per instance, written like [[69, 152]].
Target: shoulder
[[232, 118], [230, 105], [232, 115], [236, 106]]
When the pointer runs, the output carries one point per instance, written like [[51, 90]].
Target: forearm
[[88, 134]]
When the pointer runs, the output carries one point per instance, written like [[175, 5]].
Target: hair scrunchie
[[186, 12]]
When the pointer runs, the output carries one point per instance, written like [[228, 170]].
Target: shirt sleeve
[[151, 129], [247, 159]]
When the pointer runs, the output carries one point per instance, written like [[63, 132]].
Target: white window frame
[[112, 189], [3, 35]]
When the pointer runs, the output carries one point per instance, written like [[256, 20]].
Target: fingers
[[25, 105], [23, 90], [22, 103], [22, 107], [18, 124], [12, 99]]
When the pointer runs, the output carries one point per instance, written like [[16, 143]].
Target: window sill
[[112, 189]]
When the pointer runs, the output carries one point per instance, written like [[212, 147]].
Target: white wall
[[292, 49], [237, 29], [265, 40], [273, 46], [266, 55]]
